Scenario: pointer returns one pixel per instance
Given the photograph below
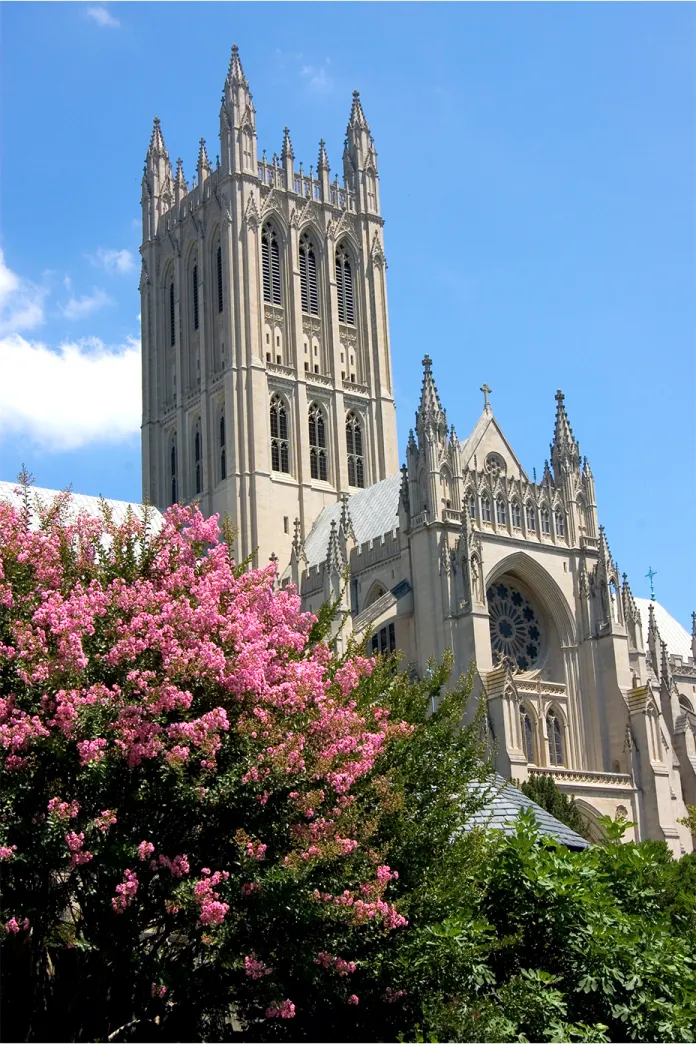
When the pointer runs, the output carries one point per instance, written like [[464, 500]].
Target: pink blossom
[[125, 892], [285, 1010], [254, 968], [75, 843], [391, 996], [255, 850], [178, 866], [353, 999], [145, 849], [63, 810], [91, 751], [105, 820], [7, 853], [158, 990], [11, 926]]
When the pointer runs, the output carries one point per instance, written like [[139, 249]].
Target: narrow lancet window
[[197, 462], [280, 446], [553, 727], [354, 445], [223, 449], [344, 287], [219, 279], [318, 462], [308, 277], [195, 297], [270, 264]]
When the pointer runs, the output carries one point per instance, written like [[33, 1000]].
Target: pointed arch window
[[221, 299], [194, 278], [344, 286], [172, 325], [472, 505], [270, 263], [354, 446], [486, 509], [308, 277], [527, 734], [560, 524], [223, 448], [516, 514], [318, 464], [198, 461], [500, 512], [172, 472], [280, 446], [545, 520], [530, 514], [553, 727]]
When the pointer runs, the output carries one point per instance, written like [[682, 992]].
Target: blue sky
[[537, 173]]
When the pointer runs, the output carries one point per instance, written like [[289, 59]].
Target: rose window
[[494, 465], [515, 628]]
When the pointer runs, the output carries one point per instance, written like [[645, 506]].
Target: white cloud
[[85, 392], [103, 18], [113, 261], [21, 302], [317, 77], [80, 307]]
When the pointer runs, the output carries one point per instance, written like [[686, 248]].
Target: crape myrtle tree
[[203, 810]]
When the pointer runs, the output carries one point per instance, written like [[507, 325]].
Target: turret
[[157, 184], [431, 427], [565, 459], [238, 143], [360, 159]]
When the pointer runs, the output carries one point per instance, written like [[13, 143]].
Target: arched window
[[221, 299], [280, 447], [553, 727], [172, 324], [500, 512], [270, 263], [223, 448], [308, 277], [560, 524], [344, 286], [486, 509], [197, 461], [516, 514], [247, 148], [195, 296], [172, 472], [445, 486], [531, 517], [472, 505], [545, 520], [317, 443], [354, 445], [527, 734]]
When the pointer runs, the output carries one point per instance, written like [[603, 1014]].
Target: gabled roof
[[676, 637], [81, 504], [500, 812], [374, 511], [481, 429]]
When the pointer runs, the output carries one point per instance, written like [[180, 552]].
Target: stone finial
[[357, 116], [286, 152], [564, 447], [235, 73], [323, 161]]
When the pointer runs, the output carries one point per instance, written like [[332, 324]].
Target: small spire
[[323, 161], [180, 181], [286, 152], [346, 522], [631, 610], [156, 140], [586, 469], [430, 409], [334, 558], [665, 672], [203, 164], [564, 447], [357, 116], [235, 73]]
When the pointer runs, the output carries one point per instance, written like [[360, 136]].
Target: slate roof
[[500, 812], [80, 503], [374, 511], [676, 637]]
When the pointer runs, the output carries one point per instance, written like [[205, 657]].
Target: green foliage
[[544, 791]]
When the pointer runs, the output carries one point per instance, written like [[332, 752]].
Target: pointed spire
[[430, 409], [297, 538], [180, 186], [586, 469], [357, 116], [564, 448], [235, 73], [286, 152], [323, 161], [157, 146], [665, 671], [334, 558], [203, 164], [346, 522], [631, 610]]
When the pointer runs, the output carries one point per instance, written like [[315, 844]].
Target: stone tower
[[267, 386]]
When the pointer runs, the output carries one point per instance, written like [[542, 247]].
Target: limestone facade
[[267, 396]]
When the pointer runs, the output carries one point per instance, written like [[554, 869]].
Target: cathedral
[[268, 397]]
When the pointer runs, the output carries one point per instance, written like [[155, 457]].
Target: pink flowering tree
[[196, 793]]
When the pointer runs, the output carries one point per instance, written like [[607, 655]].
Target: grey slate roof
[[676, 637], [373, 511], [80, 503], [500, 812]]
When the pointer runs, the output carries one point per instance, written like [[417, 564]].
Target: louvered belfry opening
[[354, 446], [195, 297], [308, 277], [172, 467], [344, 286], [280, 446], [317, 443], [172, 326], [219, 279], [198, 464], [223, 449], [270, 264]]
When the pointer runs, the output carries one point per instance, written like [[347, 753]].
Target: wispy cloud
[[317, 77], [85, 392], [21, 302], [113, 261], [103, 17], [81, 307]]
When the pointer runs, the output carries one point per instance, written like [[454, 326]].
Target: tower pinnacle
[[235, 73], [430, 410], [357, 115], [564, 448]]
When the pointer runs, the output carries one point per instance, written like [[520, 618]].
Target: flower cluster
[[254, 968], [125, 892], [284, 1010], [339, 965], [212, 910], [75, 843], [63, 810]]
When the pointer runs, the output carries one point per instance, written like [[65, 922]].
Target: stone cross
[[486, 392]]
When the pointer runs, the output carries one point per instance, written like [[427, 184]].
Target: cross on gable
[[486, 392]]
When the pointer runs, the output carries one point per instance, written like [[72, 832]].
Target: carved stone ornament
[[377, 252], [273, 201], [251, 213], [274, 316]]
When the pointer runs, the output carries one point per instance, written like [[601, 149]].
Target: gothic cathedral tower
[[267, 386]]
